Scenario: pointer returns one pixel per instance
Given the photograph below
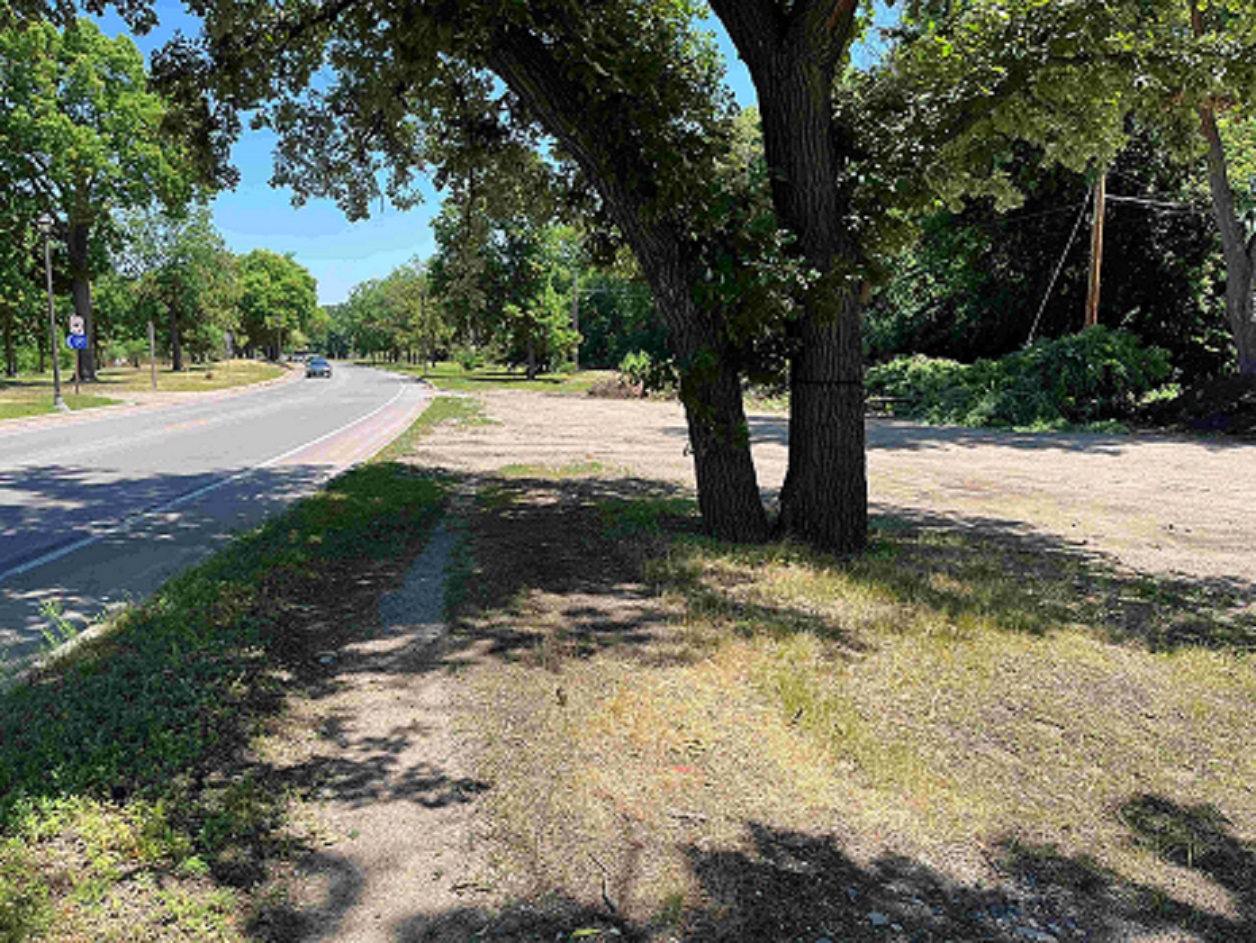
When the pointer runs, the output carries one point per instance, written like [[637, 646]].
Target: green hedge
[[1096, 376]]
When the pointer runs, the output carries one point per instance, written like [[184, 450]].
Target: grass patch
[[197, 378], [765, 743], [131, 803], [456, 410], [20, 402], [447, 375]]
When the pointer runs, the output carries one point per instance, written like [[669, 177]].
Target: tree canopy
[[80, 138]]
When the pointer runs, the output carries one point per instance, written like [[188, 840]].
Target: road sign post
[[77, 342]]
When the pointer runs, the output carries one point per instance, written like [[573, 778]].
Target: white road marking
[[119, 526]]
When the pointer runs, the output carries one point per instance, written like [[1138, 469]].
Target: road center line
[[95, 537]]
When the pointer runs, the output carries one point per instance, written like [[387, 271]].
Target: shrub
[[652, 374], [1097, 375]]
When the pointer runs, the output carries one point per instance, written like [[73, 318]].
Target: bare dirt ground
[[1161, 505]]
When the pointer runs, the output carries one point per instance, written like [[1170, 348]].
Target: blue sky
[[339, 254]]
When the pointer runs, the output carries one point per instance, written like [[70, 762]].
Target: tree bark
[[793, 60], [728, 489], [176, 343], [81, 291], [10, 342], [1237, 246]]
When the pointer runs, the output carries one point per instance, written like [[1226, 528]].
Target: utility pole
[[1096, 250]]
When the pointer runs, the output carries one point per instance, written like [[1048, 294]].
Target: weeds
[[126, 758]]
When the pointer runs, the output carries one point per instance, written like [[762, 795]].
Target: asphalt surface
[[101, 511]]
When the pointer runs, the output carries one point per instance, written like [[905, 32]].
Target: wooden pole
[[152, 355], [575, 316], [1096, 251]]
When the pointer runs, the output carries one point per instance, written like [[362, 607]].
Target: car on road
[[318, 367]]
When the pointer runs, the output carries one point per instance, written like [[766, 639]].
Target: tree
[[80, 133], [414, 84], [277, 296], [186, 279], [1177, 66], [979, 283]]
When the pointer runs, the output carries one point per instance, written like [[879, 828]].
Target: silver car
[[318, 367]]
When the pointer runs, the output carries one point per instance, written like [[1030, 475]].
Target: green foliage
[[182, 278], [975, 282], [1084, 378], [277, 296], [652, 373]]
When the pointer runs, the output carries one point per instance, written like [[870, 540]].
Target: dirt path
[[1156, 504]]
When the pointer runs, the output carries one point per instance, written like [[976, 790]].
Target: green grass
[[447, 375], [458, 410], [126, 796], [20, 403], [198, 377], [31, 395], [946, 700]]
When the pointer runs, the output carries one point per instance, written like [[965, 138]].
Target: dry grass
[[727, 742], [196, 378]]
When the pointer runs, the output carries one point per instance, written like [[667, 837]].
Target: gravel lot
[[1158, 504]]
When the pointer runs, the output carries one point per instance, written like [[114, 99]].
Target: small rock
[[896, 927], [878, 919]]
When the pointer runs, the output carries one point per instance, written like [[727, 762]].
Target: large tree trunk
[[10, 342], [81, 290], [793, 60], [1238, 248], [728, 489]]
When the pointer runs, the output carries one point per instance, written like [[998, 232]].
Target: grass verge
[[133, 803], [968, 740], [197, 378], [18, 403], [447, 375]]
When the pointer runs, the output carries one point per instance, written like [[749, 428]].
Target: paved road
[[93, 513]]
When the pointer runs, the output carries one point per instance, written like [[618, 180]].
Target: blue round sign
[[76, 342]]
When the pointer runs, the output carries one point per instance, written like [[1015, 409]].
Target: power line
[[1058, 268]]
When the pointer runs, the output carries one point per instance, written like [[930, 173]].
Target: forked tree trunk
[[793, 59]]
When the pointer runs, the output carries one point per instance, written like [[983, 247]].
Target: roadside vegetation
[[32, 395], [967, 737], [194, 378], [455, 377], [19, 400], [134, 802], [682, 739]]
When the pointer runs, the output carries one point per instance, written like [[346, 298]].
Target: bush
[[1097, 375], [469, 359], [652, 374]]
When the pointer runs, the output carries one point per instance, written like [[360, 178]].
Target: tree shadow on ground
[[904, 435], [1047, 581], [782, 886]]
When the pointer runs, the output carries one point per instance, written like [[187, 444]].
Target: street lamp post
[[45, 224]]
